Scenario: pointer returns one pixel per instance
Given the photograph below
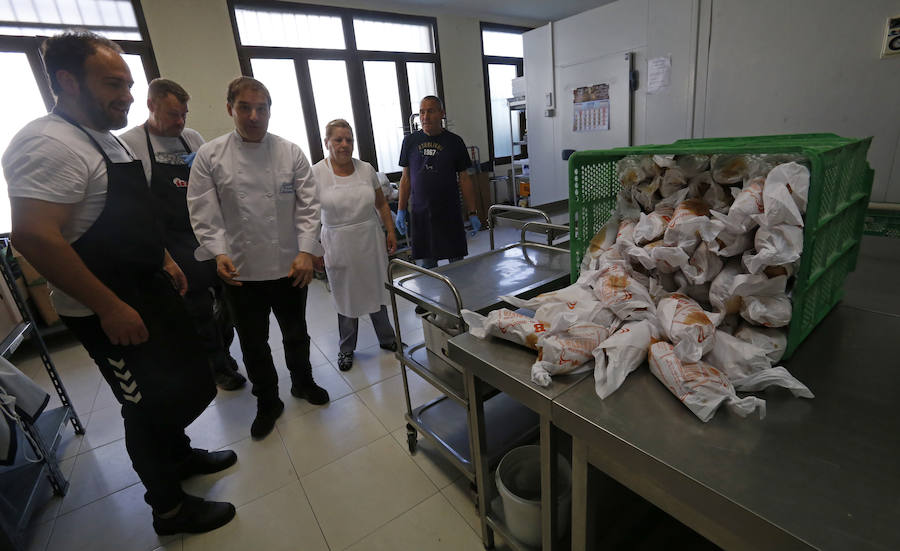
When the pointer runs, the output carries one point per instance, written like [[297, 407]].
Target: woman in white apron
[[355, 245]]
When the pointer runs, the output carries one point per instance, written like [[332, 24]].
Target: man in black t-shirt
[[432, 160]]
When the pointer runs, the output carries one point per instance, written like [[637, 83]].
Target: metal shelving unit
[[516, 106], [21, 482]]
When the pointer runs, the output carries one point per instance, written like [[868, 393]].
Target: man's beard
[[98, 116]]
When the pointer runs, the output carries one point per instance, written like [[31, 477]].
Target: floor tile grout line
[[104, 496]]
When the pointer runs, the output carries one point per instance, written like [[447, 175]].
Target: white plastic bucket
[[519, 483]]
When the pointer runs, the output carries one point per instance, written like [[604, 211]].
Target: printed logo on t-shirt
[[179, 182], [429, 150]]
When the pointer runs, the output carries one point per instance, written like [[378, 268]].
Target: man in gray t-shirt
[[166, 148]]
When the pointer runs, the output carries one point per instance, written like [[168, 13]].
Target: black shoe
[[205, 462], [229, 380], [266, 415], [345, 361], [195, 516], [420, 310], [391, 346], [313, 393]]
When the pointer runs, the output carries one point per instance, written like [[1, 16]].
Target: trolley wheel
[[411, 438]]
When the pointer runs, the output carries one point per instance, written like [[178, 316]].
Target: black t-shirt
[[433, 163]]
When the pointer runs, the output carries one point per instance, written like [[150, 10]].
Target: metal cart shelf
[[21, 482], [521, 269]]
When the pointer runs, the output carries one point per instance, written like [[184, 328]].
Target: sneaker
[[311, 392], [345, 361], [205, 462], [229, 380], [266, 415], [195, 517], [391, 346]]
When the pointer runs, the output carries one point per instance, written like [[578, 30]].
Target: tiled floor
[[328, 477]]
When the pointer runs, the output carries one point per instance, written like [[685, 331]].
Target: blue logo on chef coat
[[287, 187]]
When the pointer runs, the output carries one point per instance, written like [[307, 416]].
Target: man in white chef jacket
[[253, 207]]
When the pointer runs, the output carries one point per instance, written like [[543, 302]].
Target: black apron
[[168, 183], [167, 376]]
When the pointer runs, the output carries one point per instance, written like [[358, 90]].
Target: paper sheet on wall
[[590, 111], [659, 70]]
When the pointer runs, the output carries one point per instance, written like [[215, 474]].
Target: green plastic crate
[[840, 185], [885, 223]]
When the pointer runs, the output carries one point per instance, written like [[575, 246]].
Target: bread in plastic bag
[[565, 349], [574, 301], [730, 169], [621, 293], [768, 311], [657, 256], [775, 246], [507, 325], [692, 165], [602, 241], [703, 266], [689, 225], [732, 286], [626, 207], [647, 194], [786, 189], [620, 354], [664, 161], [630, 170], [771, 339], [687, 326], [698, 385], [718, 198], [727, 243], [672, 181]]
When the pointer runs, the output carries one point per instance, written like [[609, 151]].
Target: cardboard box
[[40, 296], [32, 277], [482, 184]]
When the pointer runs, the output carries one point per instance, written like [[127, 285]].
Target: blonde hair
[[337, 123]]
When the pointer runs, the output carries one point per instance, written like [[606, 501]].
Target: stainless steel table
[[507, 367], [819, 473]]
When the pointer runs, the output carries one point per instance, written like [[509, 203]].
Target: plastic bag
[[717, 198], [656, 256], [507, 325], [732, 287], [772, 340], [775, 246], [565, 350], [630, 170], [747, 202], [768, 311], [664, 161], [785, 195], [698, 385], [703, 266], [687, 326], [727, 243], [651, 227], [626, 207], [621, 293], [602, 240], [749, 369], [646, 193], [620, 354]]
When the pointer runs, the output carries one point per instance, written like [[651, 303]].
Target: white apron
[[355, 248]]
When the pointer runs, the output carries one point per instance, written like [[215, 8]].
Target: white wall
[[806, 66], [195, 46], [645, 28], [738, 68]]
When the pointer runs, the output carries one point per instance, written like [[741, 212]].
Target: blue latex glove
[[188, 158], [476, 223], [401, 222]]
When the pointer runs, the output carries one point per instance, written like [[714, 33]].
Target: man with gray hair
[[166, 149]]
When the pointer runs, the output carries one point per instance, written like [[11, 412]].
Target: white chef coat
[[355, 249], [255, 202]]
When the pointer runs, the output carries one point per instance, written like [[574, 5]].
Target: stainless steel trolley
[[521, 269]]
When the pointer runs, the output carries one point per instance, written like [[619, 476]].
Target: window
[[502, 53], [23, 27], [367, 67]]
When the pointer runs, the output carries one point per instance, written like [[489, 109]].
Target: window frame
[[519, 63], [31, 47], [354, 58]]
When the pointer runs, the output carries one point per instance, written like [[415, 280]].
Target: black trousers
[[250, 306], [162, 384], [214, 329]]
